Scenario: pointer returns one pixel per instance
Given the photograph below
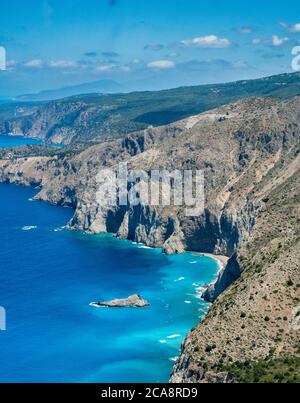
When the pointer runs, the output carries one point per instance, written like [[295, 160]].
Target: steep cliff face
[[228, 275], [250, 153], [238, 146]]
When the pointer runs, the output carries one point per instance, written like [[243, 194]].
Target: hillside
[[102, 117], [250, 151]]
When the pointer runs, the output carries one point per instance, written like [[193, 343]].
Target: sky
[[145, 44]]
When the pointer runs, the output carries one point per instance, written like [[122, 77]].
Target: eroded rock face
[[228, 275], [251, 159], [134, 301]]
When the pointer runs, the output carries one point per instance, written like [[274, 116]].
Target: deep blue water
[[48, 277]]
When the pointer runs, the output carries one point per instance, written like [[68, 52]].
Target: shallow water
[[14, 141]]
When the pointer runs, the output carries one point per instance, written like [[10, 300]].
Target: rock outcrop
[[133, 301], [228, 275]]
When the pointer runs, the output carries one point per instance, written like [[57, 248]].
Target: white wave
[[59, 228], [95, 305], [187, 302], [144, 247], [29, 227], [173, 359], [173, 336], [179, 279], [200, 291], [162, 341], [193, 262]]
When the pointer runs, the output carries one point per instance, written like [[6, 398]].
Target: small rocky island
[[134, 301]]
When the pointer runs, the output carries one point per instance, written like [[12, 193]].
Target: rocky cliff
[[249, 151]]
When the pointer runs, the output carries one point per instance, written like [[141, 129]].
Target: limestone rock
[[134, 301]]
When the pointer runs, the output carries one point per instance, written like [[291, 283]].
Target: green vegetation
[[163, 107], [210, 348], [280, 370], [115, 115]]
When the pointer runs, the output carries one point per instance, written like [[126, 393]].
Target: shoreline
[[222, 260]]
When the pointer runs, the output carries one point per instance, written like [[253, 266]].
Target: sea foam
[[173, 336], [29, 227]]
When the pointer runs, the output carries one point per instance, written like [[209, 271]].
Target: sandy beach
[[221, 259]]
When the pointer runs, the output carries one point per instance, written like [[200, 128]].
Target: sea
[[49, 275]]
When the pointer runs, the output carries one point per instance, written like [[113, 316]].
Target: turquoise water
[[48, 277], [14, 141]]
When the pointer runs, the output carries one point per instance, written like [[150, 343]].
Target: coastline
[[165, 339], [220, 259]]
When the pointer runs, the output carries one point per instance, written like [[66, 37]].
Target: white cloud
[[108, 68], [295, 27], [11, 63], [161, 64], [277, 41], [240, 64], [257, 41], [136, 61], [173, 54], [283, 24], [244, 30], [34, 63], [209, 41], [62, 64]]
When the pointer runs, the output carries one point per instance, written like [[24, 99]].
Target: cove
[[48, 277], [14, 141]]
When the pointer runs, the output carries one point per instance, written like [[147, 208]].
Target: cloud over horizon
[[275, 41], [145, 42], [294, 28], [209, 41], [161, 64]]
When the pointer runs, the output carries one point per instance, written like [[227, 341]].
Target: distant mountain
[[101, 86], [96, 117]]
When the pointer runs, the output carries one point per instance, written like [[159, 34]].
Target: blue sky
[[146, 44]]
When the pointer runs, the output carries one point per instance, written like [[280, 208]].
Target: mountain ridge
[[99, 86], [105, 117]]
